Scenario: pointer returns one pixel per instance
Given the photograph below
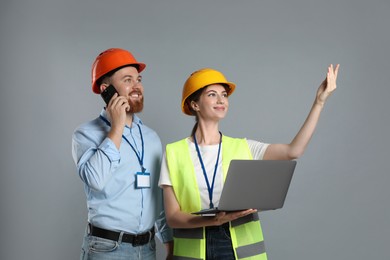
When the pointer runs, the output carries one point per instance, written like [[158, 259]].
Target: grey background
[[276, 52]]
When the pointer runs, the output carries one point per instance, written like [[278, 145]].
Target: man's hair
[[105, 78]]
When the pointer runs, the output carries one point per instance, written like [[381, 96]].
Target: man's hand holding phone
[[116, 108]]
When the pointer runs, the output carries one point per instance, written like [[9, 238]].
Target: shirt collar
[[136, 119]]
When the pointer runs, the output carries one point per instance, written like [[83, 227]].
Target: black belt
[[135, 240]]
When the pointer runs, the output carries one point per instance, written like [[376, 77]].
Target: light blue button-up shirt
[[109, 175]]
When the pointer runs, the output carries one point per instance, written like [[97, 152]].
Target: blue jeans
[[96, 248], [219, 243]]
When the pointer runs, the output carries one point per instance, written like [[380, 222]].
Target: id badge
[[142, 180]]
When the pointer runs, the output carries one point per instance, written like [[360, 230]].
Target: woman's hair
[[195, 97]]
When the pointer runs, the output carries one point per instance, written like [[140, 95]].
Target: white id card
[[142, 180]]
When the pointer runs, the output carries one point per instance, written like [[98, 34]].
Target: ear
[[103, 86], [194, 106]]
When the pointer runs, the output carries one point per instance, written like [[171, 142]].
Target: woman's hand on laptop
[[223, 217]]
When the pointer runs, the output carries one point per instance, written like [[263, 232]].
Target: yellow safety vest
[[190, 243]]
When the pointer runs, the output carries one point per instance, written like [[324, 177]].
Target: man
[[118, 159]]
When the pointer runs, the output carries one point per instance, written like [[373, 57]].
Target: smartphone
[[108, 93]]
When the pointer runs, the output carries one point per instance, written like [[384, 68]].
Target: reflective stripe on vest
[[185, 258], [244, 220], [246, 233], [250, 250], [197, 233], [192, 233]]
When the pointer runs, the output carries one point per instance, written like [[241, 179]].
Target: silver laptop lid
[[256, 184]]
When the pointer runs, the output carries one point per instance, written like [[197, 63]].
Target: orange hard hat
[[109, 60], [200, 79]]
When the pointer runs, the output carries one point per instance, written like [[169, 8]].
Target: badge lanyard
[[140, 158], [209, 188]]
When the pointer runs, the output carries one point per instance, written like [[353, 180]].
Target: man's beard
[[136, 106]]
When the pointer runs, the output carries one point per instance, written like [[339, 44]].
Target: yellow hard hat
[[200, 79]]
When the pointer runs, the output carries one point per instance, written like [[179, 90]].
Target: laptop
[[254, 184]]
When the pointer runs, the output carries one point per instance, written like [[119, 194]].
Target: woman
[[194, 170]]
